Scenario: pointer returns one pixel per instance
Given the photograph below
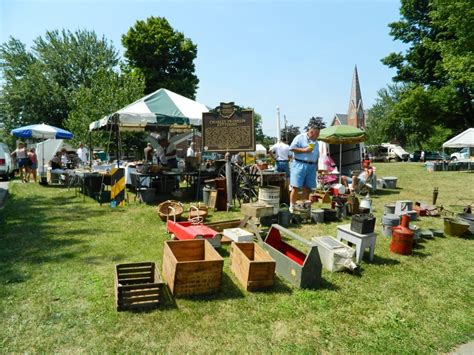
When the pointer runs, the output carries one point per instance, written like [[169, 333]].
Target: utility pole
[[286, 129], [278, 124]]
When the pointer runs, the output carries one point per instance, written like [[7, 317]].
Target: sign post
[[228, 128]]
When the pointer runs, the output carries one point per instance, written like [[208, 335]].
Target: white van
[[6, 164]]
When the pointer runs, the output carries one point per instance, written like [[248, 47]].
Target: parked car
[[395, 152], [463, 154], [6, 164], [415, 156]]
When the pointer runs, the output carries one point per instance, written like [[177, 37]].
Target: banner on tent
[[228, 128]]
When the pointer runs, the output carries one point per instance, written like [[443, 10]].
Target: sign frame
[[228, 128]]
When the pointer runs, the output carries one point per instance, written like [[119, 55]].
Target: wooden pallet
[[138, 286]]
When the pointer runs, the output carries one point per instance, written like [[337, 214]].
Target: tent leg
[[340, 163]]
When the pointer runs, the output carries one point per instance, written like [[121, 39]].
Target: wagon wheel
[[245, 182]]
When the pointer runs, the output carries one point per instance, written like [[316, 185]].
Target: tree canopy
[[317, 122], [163, 55], [436, 73], [38, 84], [109, 92]]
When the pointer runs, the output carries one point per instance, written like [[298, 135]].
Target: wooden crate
[[192, 267], [252, 266], [138, 285]]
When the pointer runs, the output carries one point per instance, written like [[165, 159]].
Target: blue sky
[[298, 55]]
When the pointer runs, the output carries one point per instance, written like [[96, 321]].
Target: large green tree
[[38, 84], [109, 91], [317, 122], [163, 55], [398, 117], [438, 66]]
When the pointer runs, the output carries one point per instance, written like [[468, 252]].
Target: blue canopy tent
[[43, 131]]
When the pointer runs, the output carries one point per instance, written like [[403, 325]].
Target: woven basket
[[165, 212]]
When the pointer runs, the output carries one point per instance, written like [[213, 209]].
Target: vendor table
[[167, 181], [92, 184]]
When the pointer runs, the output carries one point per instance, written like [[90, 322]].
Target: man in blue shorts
[[305, 163]]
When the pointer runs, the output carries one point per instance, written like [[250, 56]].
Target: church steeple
[[355, 113]]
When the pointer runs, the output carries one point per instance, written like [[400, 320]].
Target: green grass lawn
[[57, 257]]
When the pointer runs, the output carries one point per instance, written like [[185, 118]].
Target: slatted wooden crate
[[252, 266], [138, 285], [192, 267]]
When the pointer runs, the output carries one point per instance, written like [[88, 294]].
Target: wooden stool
[[361, 241], [255, 210]]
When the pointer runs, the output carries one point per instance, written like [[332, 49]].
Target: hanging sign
[[228, 128]]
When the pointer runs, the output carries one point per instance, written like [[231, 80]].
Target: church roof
[[342, 118]]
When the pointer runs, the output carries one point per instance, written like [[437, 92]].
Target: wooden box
[[138, 285], [252, 266], [192, 267]]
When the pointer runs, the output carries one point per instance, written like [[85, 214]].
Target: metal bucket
[[317, 216], [412, 214], [388, 222], [284, 216], [389, 208], [390, 182], [206, 191], [271, 196]]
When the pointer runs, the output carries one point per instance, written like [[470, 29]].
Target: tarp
[[45, 152], [462, 140], [160, 108]]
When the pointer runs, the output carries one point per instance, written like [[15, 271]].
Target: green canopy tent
[[160, 108], [342, 134]]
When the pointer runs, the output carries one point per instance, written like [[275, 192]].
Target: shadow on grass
[[384, 192], [418, 254], [378, 260], [30, 232], [279, 286]]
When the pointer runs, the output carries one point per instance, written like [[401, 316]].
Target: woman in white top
[[21, 156]]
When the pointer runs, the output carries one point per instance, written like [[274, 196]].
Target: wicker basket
[[198, 211], [170, 209]]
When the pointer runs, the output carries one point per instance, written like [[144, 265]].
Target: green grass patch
[[57, 257]]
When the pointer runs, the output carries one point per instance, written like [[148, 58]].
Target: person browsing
[[168, 153], [304, 166], [148, 153], [190, 152], [83, 154], [281, 153]]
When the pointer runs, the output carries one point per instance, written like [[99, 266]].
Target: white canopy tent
[[160, 108], [462, 140]]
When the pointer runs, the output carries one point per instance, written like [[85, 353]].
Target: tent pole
[[90, 150], [42, 169], [340, 163]]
